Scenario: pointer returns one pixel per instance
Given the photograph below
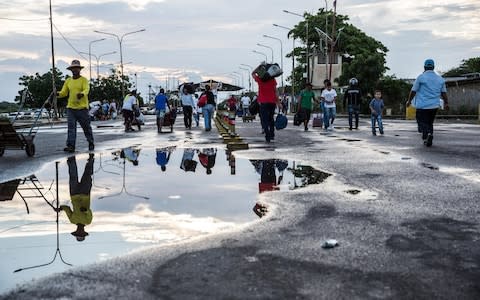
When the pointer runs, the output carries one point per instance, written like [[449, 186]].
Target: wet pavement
[[405, 217]]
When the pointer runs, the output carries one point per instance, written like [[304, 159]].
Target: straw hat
[[75, 64]]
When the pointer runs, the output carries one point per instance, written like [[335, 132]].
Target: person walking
[[161, 103], [209, 108], [127, 109], [305, 102], [352, 101], [245, 101], [329, 96], [268, 100], [427, 90], [77, 89], [187, 104], [376, 108]]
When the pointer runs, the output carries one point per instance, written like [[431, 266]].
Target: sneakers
[[374, 133], [428, 141], [69, 149], [91, 146]]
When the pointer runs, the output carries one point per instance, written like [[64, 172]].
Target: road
[[406, 218]]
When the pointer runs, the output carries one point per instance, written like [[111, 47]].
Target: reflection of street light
[[306, 54], [281, 54], [258, 52], [120, 40], [293, 58], [265, 46], [90, 55], [98, 59]]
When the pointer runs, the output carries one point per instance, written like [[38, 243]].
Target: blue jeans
[[330, 113], [207, 111], [267, 111], [81, 116], [353, 110], [378, 119]]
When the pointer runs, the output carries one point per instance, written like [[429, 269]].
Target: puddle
[[125, 199]]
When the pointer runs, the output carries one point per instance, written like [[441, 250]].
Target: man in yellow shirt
[[77, 88]]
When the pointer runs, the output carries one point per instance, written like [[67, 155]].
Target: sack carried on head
[[268, 71], [202, 101]]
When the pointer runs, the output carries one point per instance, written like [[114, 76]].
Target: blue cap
[[429, 63]]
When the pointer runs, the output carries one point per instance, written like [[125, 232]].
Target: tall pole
[[241, 77], [249, 78], [120, 40], [326, 41], [293, 59], [54, 75], [90, 56], [281, 56], [98, 61], [250, 70], [332, 48], [258, 52], [306, 52]]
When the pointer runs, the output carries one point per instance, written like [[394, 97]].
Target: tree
[[471, 65], [40, 86], [108, 88], [368, 55], [394, 93]]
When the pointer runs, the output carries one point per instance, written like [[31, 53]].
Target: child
[[376, 107]]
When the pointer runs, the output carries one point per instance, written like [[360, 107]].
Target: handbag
[[202, 101], [281, 121], [298, 118]]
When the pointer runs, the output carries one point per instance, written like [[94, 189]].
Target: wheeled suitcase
[[317, 121]]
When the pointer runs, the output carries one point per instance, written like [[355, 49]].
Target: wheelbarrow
[[11, 139]]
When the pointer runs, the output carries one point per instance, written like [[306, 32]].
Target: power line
[[23, 20], [68, 42]]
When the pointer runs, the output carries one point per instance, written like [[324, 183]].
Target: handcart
[[169, 119], [19, 137]]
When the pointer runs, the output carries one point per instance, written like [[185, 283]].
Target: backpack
[[281, 121], [202, 101]]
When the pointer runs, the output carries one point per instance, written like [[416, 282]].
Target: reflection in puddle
[[114, 202]]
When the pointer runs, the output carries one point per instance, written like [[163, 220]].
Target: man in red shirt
[[268, 100]]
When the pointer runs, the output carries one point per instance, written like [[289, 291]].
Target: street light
[[332, 45], [98, 60], [120, 40], [258, 52], [307, 52], [265, 46], [293, 58], [250, 70], [249, 77], [90, 55], [241, 76], [281, 54]]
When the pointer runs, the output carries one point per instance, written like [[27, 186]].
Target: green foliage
[[40, 86], [471, 65], [6, 107], [394, 93], [368, 64]]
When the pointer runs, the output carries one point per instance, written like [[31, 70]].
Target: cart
[[169, 119], [19, 137]]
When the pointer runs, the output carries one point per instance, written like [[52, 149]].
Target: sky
[[194, 40]]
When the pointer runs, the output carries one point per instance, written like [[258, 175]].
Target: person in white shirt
[[127, 109], [188, 104], [329, 96], [245, 100]]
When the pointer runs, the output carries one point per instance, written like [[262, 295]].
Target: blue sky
[[195, 40]]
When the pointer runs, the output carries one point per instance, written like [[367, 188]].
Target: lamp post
[[120, 40], [249, 77], [258, 52], [265, 46], [307, 52], [332, 46], [281, 55], [241, 77], [250, 70], [293, 58], [90, 55], [97, 58]]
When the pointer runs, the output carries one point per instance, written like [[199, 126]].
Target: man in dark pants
[[352, 101], [77, 88], [427, 91], [268, 100]]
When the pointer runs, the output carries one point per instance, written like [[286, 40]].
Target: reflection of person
[[207, 158], [130, 154], [268, 178], [80, 213], [427, 91], [163, 156], [268, 100], [188, 164], [77, 88]]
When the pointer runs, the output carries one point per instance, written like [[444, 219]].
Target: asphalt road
[[406, 218]]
